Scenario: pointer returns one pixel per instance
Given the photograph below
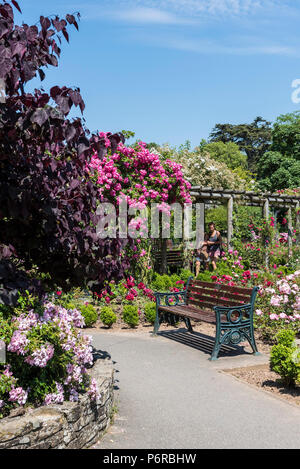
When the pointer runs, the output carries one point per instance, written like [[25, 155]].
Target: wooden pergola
[[267, 201]]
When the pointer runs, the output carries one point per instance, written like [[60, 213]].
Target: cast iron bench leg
[[252, 342], [217, 346], [156, 324], [188, 324]]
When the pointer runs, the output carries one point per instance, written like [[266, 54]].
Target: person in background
[[211, 248]]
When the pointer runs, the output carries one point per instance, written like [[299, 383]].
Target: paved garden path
[[170, 396]]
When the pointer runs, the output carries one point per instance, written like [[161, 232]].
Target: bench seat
[[191, 312]]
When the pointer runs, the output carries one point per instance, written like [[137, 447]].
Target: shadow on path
[[202, 342]]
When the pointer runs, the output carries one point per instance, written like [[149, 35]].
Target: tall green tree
[[253, 139], [286, 135], [277, 171]]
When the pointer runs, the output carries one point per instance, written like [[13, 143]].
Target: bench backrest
[[173, 257], [209, 294]]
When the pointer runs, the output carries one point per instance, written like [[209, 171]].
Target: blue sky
[[169, 70]]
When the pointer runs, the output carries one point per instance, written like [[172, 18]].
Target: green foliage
[[243, 217], [165, 282], [131, 315], [219, 216], [107, 316], [228, 153], [150, 312], [254, 139], [175, 278], [128, 134], [185, 274], [6, 329], [89, 313], [158, 283], [285, 357], [286, 135], [278, 171], [206, 275]]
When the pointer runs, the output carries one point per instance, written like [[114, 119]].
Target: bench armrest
[[165, 296], [176, 295], [233, 314], [249, 307]]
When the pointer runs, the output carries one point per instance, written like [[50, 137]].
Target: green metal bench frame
[[231, 331]]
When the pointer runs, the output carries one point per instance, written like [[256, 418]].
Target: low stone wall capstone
[[71, 425]]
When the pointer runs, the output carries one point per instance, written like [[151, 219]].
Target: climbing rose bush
[[139, 176], [47, 358]]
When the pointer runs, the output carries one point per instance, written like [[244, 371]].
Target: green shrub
[[185, 274], [107, 316], [175, 278], [167, 281], [205, 276], [158, 283], [89, 313], [285, 357], [150, 312], [131, 315]]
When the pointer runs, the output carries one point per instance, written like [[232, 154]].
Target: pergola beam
[[219, 194]]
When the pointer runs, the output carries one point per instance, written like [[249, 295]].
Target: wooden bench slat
[[202, 304], [212, 286], [219, 293], [209, 302]]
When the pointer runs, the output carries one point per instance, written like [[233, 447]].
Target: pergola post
[[297, 227], [290, 233], [229, 221], [200, 223], [266, 214], [187, 228], [266, 209], [164, 262]]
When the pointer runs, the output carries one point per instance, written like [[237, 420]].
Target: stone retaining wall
[[72, 425]]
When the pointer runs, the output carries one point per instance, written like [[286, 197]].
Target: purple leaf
[[15, 3], [39, 117]]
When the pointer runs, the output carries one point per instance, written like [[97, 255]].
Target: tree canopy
[[286, 135], [253, 139], [276, 171], [47, 201], [228, 153]]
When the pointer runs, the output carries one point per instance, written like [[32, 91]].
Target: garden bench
[[175, 258], [229, 307]]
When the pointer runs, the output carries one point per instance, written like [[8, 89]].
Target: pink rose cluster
[[132, 292], [282, 299]]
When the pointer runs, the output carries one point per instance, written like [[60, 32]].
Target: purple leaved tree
[[47, 202]]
